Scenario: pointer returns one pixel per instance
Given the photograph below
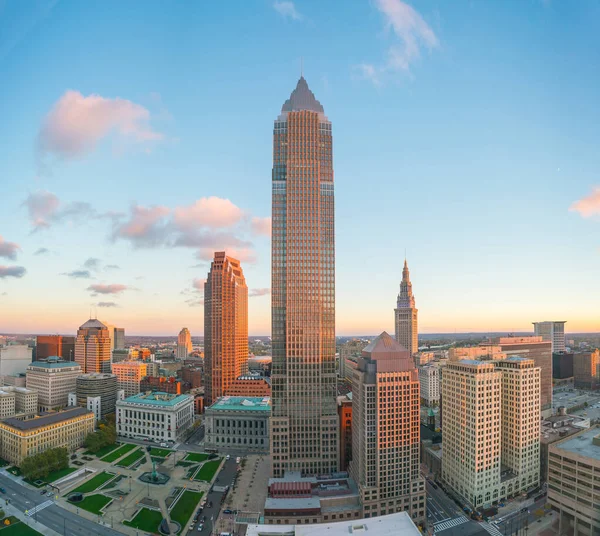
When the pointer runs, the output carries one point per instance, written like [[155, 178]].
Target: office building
[[184, 344], [68, 429], [304, 416], [119, 339], [14, 380], [385, 431], [53, 379], [55, 345], [18, 401], [483, 352], [14, 359], [399, 524], [192, 375], [573, 482], [93, 347], [491, 441], [345, 419], [552, 331], [94, 385], [562, 365], [349, 349], [586, 369], [541, 352], [251, 386], [405, 315], [429, 380], [225, 326], [155, 416], [162, 384], [422, 358], [238, 423], [129, 375]]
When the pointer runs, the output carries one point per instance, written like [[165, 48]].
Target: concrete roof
[[580, 444], [54, 364], [242, 403], [45, 420], [399, 524], [93, 323], [155, 399]]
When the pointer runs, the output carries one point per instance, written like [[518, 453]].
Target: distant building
[[184, 344], [482, 352], [385, 431], [586, 370], [422, 358], [345, 420], [491, 441], [155, 416], [252, 386], [93, 347], [399, 524], [162, 384], [553, 332], [55, 345], [53, 379], [348, 349], [18, 401], [541, 352], [429, 380], [238, 423], [129, 375], [68, 428], [14, 359], [406, 315], [225, 326], [192, 375], [119, 339], [573, 470], [562, 365], [94, 385]]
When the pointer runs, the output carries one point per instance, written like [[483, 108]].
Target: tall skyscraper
[[54, 345], [225, 326], [386, 431], [304, 418], [184, 344], [119, 338], [406, 315], [491, 429], [554, 332], [93, 347]]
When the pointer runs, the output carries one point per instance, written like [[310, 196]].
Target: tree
[[41, 465], [106, 435]]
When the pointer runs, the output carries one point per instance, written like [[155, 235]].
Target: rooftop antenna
[[301, 67]]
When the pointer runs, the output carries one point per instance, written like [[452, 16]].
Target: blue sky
[[464, 133]]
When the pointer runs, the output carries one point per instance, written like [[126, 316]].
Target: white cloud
[[410, 34], [287, 9], [261, 226], [100, 288], [208, 212], [12, 271], [76, 124]]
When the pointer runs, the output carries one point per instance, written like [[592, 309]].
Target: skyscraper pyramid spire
[[406, 314]]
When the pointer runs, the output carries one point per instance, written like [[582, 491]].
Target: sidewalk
[[42, 529]]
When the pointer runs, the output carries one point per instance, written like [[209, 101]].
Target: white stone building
[[14, 359], [429, 379], [53, 379]]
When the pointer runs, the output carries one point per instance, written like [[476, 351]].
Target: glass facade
[[303, 290]]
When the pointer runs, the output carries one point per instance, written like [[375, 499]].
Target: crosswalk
[[490, 528], [38, 508], [443, 525]]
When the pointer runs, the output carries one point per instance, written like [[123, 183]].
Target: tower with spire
[[405, 314]]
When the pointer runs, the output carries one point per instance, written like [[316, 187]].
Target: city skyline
[[119, 185]]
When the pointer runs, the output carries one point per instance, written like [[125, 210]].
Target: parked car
[[228, 511], [228, 457], [2, 490], [238, 460], [43, 492], [200, 527]]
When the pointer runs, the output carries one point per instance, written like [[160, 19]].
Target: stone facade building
[[53, 379], [406, 315]]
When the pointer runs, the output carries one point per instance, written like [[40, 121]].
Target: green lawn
[[185, 507], [185, 464], [103, 451], [132, 458], [18, 529], [93, 483], [15, 471], [115, 455], [93, 503], [146, 520], [162, 453], [196, 457], [53, 477], [158, 461], [208, 470]]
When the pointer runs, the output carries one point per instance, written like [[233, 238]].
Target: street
[[517, 520], [225, 478], [58, 519], [440, 507]]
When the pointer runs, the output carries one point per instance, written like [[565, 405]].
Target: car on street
[[43, 492], [228, 511], [2, 490], [238, 460], [192, 526], [200, 527], [228, 457]]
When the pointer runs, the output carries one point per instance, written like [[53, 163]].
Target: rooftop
[[47, 419], [581, 444], [93, 323], [155, 399], [399, 524], [242, 403], [302, 98], [54, 364]]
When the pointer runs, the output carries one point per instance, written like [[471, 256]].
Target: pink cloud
[[12, 271], [42, 207], [76, 124], [255, 292], [261, 226], [241, 254], [100, 288], [588, 206], [208, 212], [8, 250], [198, 284], [147, 226]]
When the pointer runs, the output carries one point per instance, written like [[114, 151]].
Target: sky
[[136, 140]]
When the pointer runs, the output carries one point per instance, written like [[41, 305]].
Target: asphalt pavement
[[53, 516], [516, 521], [225, 478], [440, 507]]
